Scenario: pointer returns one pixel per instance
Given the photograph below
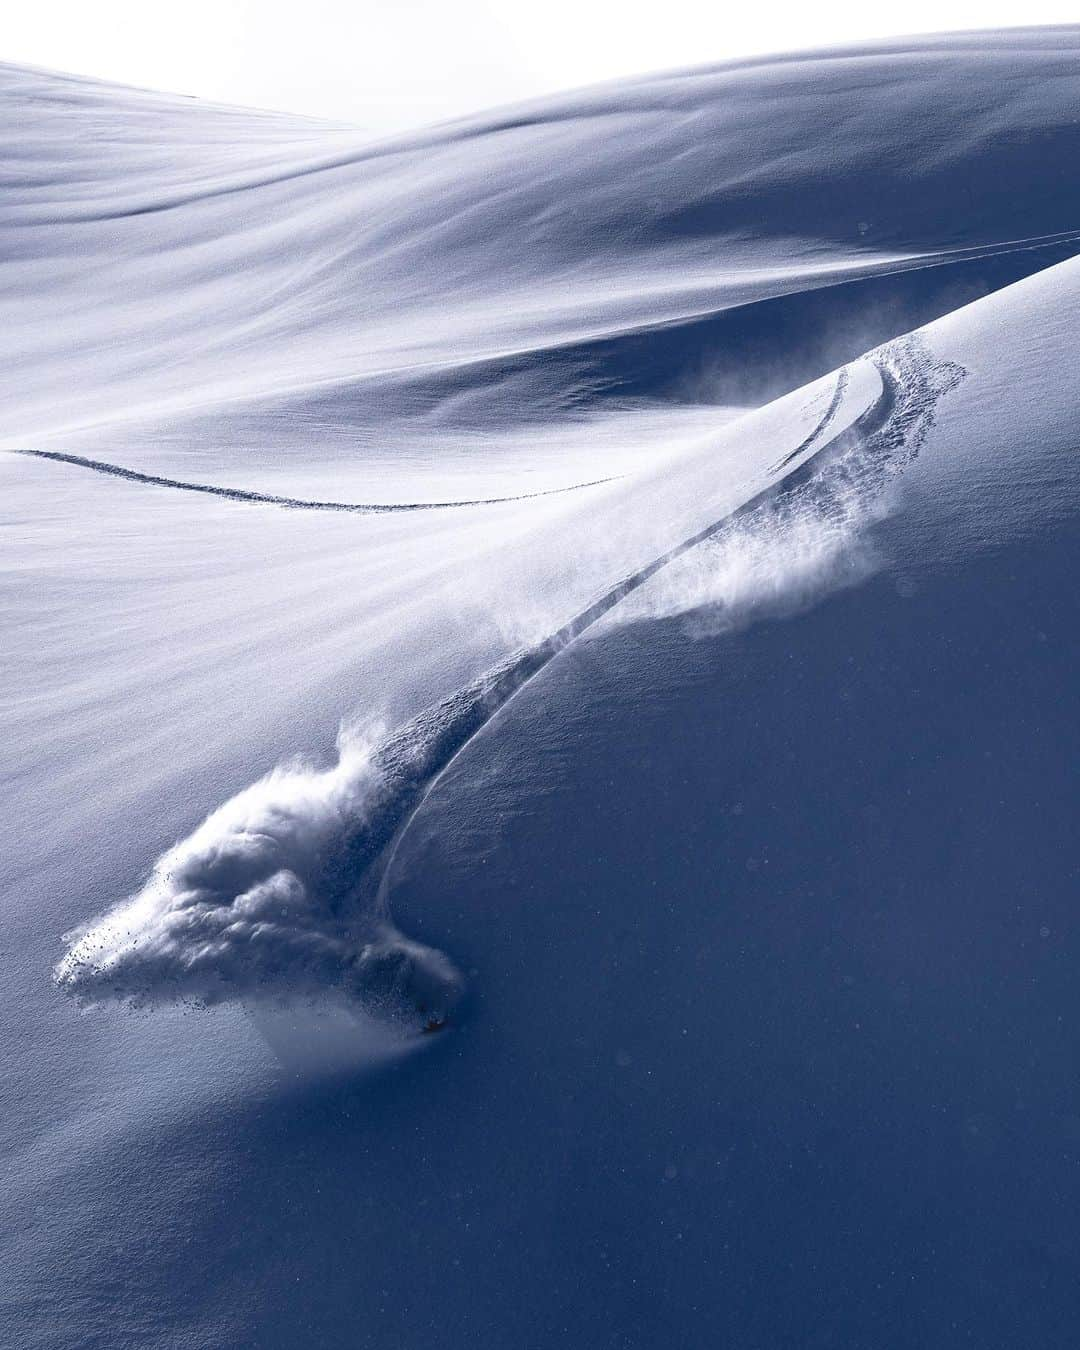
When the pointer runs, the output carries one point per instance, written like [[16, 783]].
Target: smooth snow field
[[540, 711]]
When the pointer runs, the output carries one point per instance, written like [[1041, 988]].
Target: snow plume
[[258, 904], [772, 563], [786, 553]]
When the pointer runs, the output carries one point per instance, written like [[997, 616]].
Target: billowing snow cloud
[[255, 905]]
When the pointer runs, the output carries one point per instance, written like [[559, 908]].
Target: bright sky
[[388, 64]]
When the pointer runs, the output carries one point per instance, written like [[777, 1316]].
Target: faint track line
[[822, 426], [290, 503]]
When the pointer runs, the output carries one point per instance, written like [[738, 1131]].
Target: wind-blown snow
[[280, 891], [538, 320], [429, 439], [245, 908]]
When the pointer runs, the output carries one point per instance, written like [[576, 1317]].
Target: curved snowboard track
[[290, 503], [206, 928], [879, 443], [823, 425]]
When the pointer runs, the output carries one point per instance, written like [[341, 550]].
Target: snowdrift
[[596, 578]]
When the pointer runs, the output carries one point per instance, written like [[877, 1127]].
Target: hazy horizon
[[377, 74]]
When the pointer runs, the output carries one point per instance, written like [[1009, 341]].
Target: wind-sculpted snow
[[282, 893], [692, 909], [685, 237]]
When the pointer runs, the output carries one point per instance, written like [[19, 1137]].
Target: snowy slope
[[171, 258], [719, 794]]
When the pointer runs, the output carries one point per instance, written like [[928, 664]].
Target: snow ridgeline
[[281, 893]]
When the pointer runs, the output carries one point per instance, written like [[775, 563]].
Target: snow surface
[[526, 579]]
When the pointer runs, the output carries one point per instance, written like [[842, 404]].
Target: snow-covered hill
[[600, 576]]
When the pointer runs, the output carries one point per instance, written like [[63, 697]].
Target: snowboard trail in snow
[[290, 503], [282, 893], [822, 426]]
